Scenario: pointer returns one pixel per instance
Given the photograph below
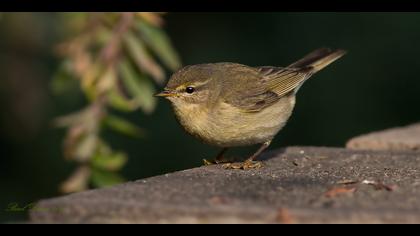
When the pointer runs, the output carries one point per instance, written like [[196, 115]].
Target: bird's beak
[[165, 93]]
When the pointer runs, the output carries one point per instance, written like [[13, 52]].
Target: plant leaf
[[138, 85], [153, 18], [86, 147], [69, 119], [123, 126], [89, 79], [78, 181], [159, 42], [63, 81], [107, 81], [102, 178], [143, 59], [119, 102], [110, 162]]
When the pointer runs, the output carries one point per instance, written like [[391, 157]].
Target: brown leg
[[250, 163], [218, 159], [259, 151]]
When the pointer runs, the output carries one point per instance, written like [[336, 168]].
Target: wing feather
[[263, 86], [283, 80]]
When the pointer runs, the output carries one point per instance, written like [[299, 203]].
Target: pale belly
[[227, 126]]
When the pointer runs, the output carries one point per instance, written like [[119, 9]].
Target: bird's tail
[[318, 59]]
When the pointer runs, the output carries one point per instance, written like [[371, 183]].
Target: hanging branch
[[112, 56]]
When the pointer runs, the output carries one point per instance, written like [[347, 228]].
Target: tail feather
[[318, 59]]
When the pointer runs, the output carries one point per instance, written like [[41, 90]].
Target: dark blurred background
[[375, 86]]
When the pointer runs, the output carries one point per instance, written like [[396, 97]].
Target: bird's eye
[[189, 90]]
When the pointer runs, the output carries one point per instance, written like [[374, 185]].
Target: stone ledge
[[399, 138], [296, 185]]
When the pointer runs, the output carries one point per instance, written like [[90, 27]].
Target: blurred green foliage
[[110, 56], [375, 86]]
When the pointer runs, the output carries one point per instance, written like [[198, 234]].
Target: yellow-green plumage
[[234, 105]]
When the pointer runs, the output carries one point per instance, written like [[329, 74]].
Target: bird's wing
[[263, 86], [283, 80], [252, 102]]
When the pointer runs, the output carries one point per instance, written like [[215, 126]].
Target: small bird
[[228, 104]]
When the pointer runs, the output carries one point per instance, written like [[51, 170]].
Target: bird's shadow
[[271, 154]]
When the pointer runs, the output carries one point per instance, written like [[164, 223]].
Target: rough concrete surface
[[296, 185], [400, 138]]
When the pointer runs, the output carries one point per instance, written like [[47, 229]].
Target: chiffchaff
[[229, 104]]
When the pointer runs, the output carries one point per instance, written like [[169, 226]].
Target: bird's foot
[[248, 164]]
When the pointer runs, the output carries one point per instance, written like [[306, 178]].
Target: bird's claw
[[214, 162], [243, 165], [208, 163]]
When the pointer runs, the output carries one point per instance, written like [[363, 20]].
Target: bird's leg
[[250, 163], [218, 159], [259, 151]]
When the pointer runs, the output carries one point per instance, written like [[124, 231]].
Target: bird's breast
[[227, 126]]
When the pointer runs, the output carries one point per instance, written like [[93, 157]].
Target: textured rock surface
[[400, 138], [296, 185]]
